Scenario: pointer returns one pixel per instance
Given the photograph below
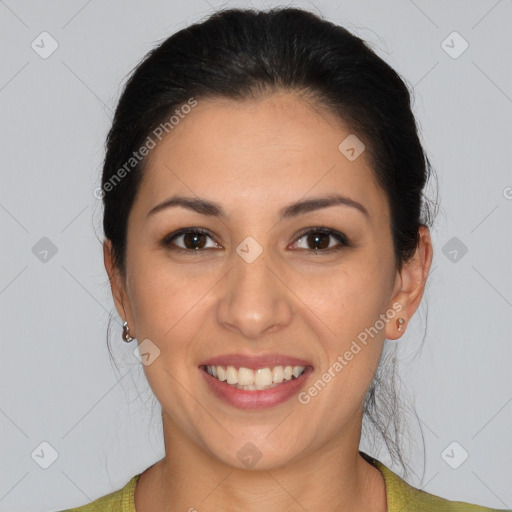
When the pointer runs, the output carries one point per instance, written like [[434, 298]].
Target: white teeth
[[231, 375], [221, 373], [262, 377], [245, 377], [297, 371], [249, 379], [278, 374]]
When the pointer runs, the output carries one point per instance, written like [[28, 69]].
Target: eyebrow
[[210, 208]]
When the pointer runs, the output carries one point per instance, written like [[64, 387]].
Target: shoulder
[[422, 501], [403, 496], [117, 501]]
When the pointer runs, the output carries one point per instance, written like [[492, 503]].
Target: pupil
[[314, 238]]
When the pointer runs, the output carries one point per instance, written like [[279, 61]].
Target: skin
[[255, 157]]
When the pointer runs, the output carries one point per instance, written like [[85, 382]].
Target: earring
[[400, 324], [126, 333]]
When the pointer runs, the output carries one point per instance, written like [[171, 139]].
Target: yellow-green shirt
[[401, 497]]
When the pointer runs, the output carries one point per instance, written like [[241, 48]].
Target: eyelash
[[340, 237]]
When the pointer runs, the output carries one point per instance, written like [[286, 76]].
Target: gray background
[[57, 383]]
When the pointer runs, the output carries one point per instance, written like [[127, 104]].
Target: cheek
[[346, 299], [350, 302], [169, 305], [168, 308]]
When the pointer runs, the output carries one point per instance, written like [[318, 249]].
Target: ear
[[410, 284], [117, 285]]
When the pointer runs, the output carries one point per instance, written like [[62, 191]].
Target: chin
[[257, 453]]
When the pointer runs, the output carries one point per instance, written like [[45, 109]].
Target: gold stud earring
[[126, 333], [400, 323]]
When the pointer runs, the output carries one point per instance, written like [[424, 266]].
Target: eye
[[192, 239], [316, 239], [319, 239]]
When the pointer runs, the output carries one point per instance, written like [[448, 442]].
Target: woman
[[266, 232]]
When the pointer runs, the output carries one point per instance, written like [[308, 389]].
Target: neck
[[188, 478]]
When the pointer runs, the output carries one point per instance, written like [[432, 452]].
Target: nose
[[254, 301]]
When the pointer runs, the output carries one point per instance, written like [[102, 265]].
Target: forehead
[[276, 149]]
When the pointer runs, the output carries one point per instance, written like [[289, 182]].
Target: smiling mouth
[[260, 379]]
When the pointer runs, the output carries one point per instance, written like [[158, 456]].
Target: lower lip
[[262, 399]]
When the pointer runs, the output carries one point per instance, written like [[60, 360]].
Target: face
[[252, 283]]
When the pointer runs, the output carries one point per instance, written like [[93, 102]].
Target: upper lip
[[255, 361]]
